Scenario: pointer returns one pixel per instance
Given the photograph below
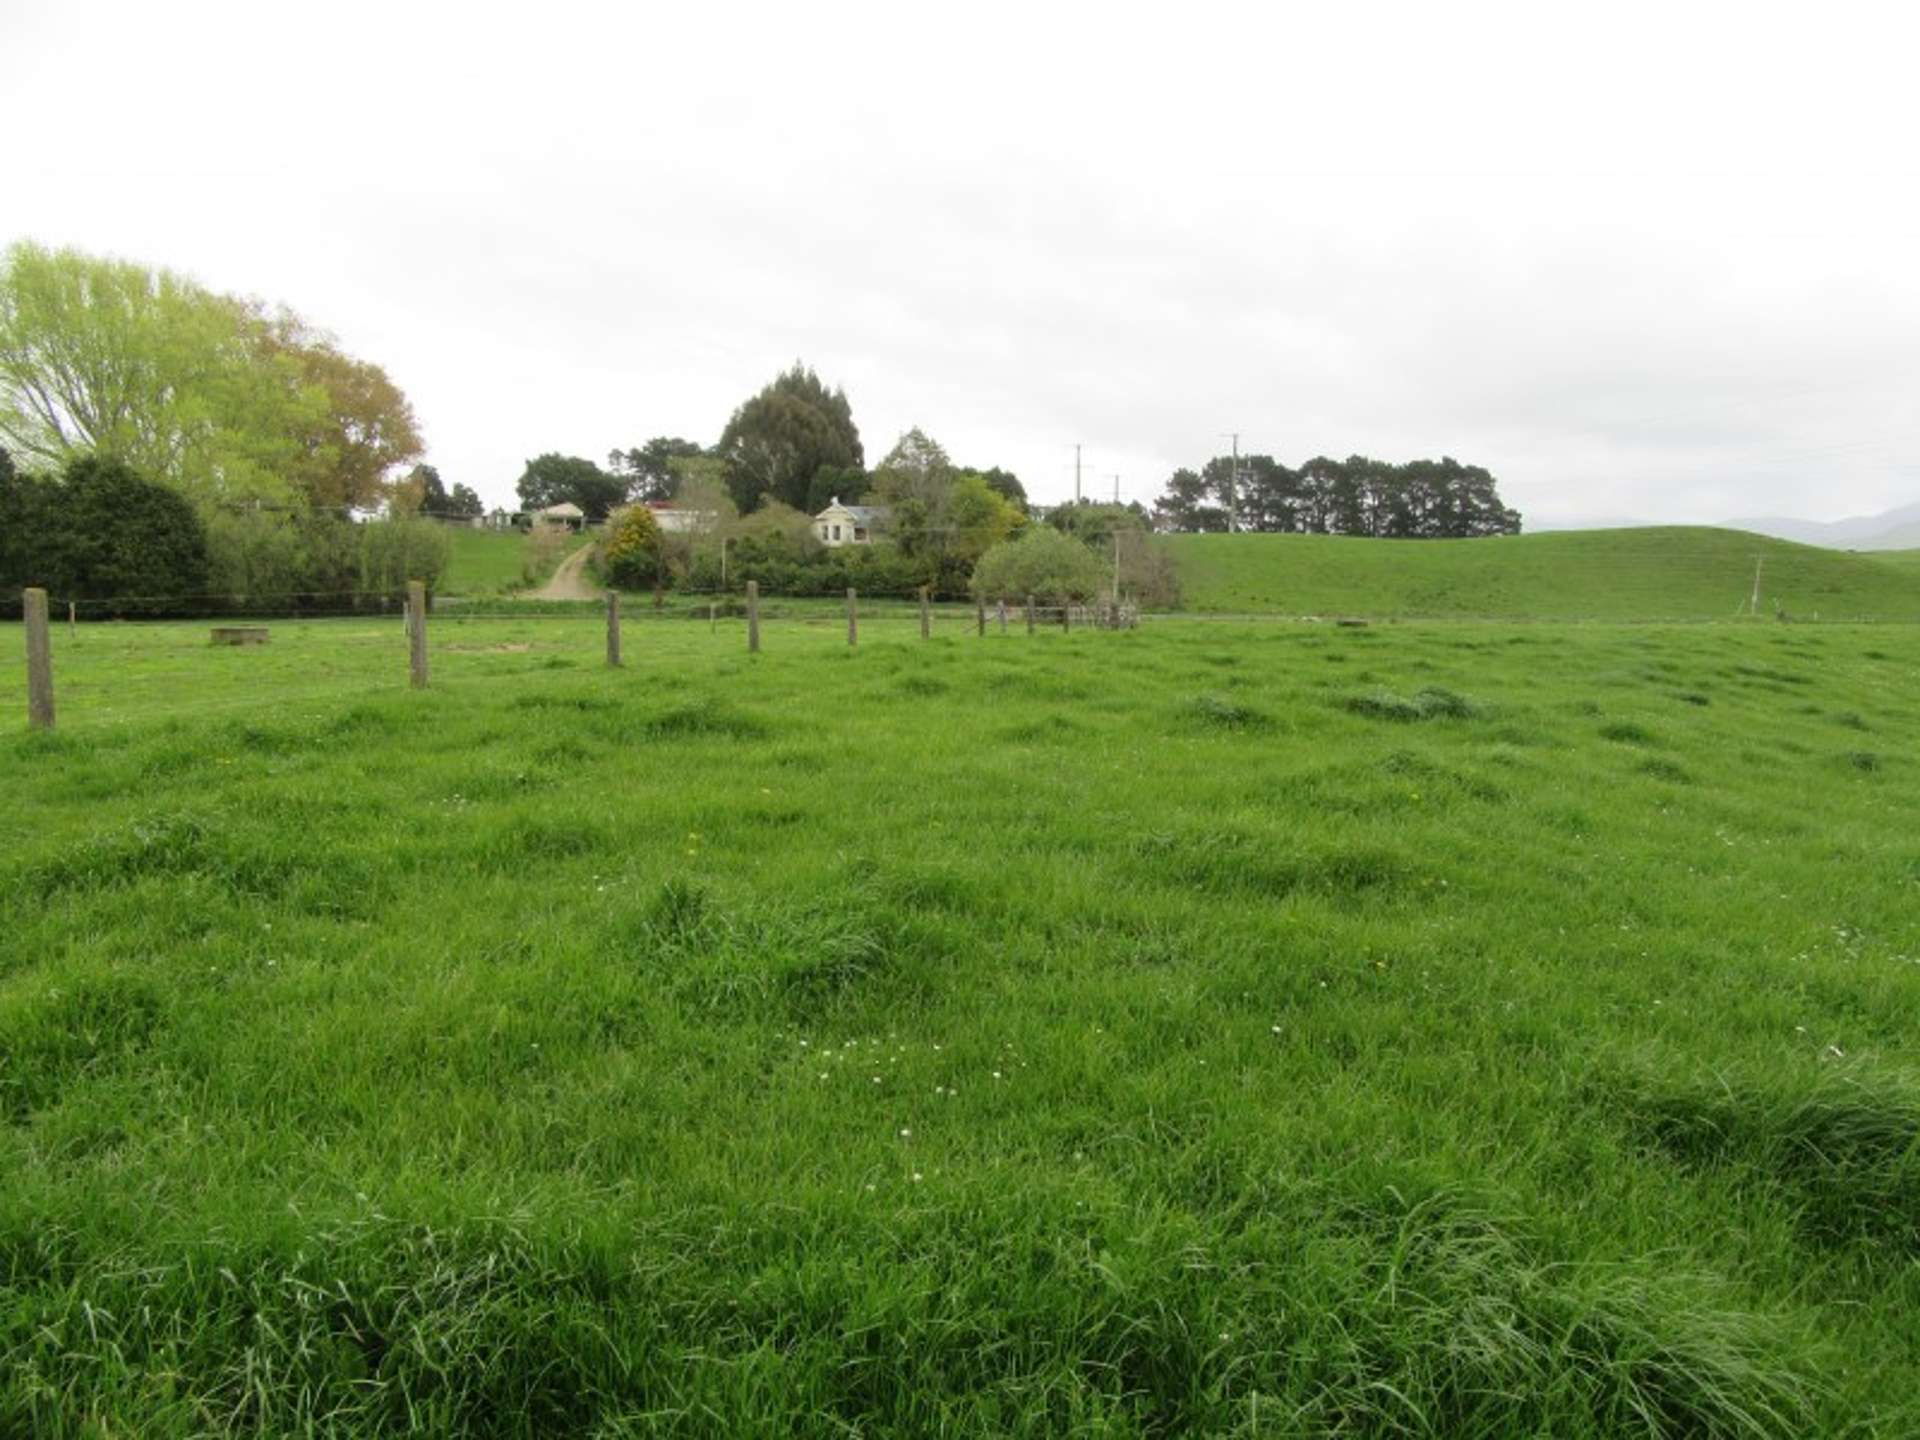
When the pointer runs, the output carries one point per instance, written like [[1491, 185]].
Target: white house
[[849, 524], [673, 520]]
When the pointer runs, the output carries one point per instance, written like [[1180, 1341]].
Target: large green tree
[[357, 428], [779, 439], [649, 470], [142, 366], [216, 396], [220, 398], [554, 479]]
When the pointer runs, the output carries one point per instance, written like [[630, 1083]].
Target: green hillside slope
[[1662, 573], [1907, 562], [496, 562]]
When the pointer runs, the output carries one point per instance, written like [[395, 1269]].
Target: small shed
[[565, 513]]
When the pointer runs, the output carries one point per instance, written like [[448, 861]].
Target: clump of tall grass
[[1840, 1149], [737, 960], [1330, 1314], [1217, 712], [1434, 702]]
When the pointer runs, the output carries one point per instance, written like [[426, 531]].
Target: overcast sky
[[1659, 261]]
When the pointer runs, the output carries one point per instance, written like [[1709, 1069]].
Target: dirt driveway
[[569, 582]]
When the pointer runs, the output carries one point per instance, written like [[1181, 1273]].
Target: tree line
[[1421, 499]]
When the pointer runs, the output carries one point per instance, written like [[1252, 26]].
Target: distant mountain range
[[1897, 529], [1890, 530]]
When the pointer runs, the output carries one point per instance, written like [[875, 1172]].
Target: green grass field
[[1213, 1029], [1678, 573], [495, 562]]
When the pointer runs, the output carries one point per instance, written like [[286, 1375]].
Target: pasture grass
[[1655, 573], [494, 563], [1208, 1029]]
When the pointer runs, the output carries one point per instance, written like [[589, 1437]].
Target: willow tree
[[212, 395]]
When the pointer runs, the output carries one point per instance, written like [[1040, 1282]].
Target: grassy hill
[[1460, 1029], [1660, 573], [499, 562], [1907, 562]]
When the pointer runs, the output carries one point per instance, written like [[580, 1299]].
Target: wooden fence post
[[73, 621], [417, 631], [853, 617], [926, 620], [1029, 614], [1066, 613], [980, 613], [753, 617], [39, 661], [1003, 617], [613, 628]]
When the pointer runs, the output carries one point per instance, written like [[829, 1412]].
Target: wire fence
[[161, 670]]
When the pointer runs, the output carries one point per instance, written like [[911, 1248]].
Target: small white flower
[[906, 1134]]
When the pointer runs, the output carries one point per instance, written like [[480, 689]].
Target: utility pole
[[1233, 484], [1116, 489], [1076, 474]]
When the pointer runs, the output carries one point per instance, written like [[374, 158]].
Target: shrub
[[101, 532], [1043, 563], [633, 553], [393, 552]]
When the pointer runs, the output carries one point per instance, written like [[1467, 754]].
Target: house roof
[[862, 514], [566, 509]]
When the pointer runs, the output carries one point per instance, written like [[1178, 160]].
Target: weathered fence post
[[980, 613], [417, 631], [712, 623], [853, 617], [613, 628], [926, 620], [1066, 613], [1030, 614], [1003, 617], [73, 621], [39, 661], [753, 617]]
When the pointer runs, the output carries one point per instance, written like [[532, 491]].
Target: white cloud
[[1639, 259]]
